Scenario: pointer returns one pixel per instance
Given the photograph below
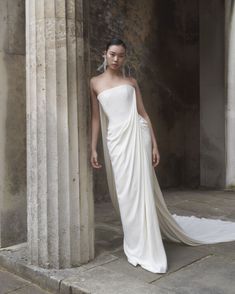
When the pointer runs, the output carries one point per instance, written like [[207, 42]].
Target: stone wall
[[163, 48], [12, 123], [212, 94]]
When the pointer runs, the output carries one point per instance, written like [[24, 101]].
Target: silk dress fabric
[[134, 188]]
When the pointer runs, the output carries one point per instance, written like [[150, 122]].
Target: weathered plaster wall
[[176, 74], [12, 123], [212, 93], [162, 38]]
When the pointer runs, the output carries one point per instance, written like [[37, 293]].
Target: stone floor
[[207, 269], [10, 283]]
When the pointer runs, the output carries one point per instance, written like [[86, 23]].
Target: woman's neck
[[113, 73]]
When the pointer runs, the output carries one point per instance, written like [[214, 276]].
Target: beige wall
[[12, 123]]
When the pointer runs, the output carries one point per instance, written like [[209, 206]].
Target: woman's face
[[115, 56]]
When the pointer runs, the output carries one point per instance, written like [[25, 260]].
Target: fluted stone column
[[230, 109], [60, 199]]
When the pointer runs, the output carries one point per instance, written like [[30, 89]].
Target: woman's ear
[[104, 53]]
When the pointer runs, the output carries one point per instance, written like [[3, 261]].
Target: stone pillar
[[13, 214], [230, 110], [212, 93], [60, 199]]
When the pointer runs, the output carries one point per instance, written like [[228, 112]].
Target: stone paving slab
[[31, 289], [208, 210], [14, 259], [212, 275], [101, 280], [107, 237], [110, 272], [10, 283], [178, 256], [100, 260], [177, 196], [211, 204], [221, 249], [121, 265]]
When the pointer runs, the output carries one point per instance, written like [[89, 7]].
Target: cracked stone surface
[[202, 269], [10, 283]]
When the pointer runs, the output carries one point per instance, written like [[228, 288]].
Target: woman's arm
[[143, 113], [95, 126]]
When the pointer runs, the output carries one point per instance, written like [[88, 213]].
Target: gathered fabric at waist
[[115, 130]]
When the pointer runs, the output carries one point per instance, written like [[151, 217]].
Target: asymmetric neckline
[[115, 87]]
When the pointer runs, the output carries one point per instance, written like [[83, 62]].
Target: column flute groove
[[60, 199]]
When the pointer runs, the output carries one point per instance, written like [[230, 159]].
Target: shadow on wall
[[14, 215]]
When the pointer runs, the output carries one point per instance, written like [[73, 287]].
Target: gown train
[[134, 188]]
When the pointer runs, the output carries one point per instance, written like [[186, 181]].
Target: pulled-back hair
[[115, 41]]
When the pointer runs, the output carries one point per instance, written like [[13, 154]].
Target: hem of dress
[[135, 263]]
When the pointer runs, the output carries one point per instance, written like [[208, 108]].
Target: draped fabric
[[134, 188]]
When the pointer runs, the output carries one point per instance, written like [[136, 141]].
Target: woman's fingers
[[95, 163], [155, 163], [156, 158]]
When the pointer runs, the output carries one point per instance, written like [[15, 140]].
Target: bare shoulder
[[95, 81], [132, 81]]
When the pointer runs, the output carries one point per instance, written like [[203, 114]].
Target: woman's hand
[[94, 160], [156, 156]]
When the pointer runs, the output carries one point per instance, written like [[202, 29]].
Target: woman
[[131, 154]]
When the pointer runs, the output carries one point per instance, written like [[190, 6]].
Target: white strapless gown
[[134, 188]]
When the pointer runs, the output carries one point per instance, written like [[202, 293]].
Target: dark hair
[[115, 41]]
